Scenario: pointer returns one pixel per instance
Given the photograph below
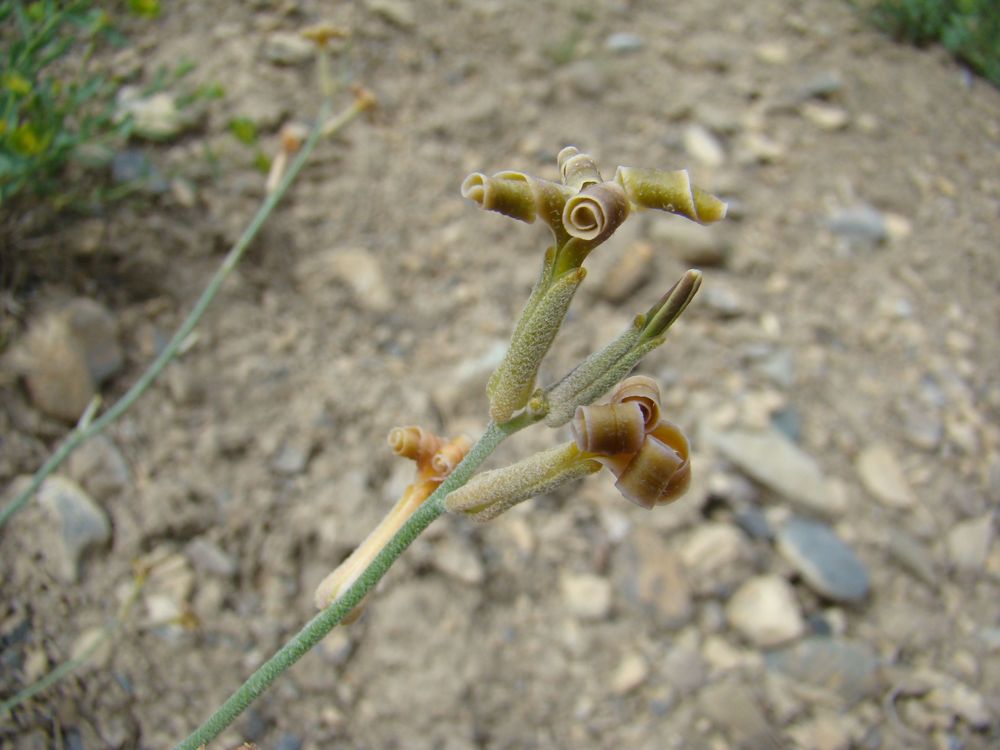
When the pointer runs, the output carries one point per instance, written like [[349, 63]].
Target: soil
[[376, 296]]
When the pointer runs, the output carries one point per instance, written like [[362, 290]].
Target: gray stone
[[100, 467], [847, 670], [208, 557], [83, 525], [735, 710], [292, 458], [458, 559], [945, 693], [825, 563], [821, 86], [684, 669], [860, 224], [587, 597], [715, 552], [775, 461], [913, 556], [134, 168], [623, 42], [765, 611], [397, 12], [883, 477], [968, 543], [652, 578], [632, 671], [723, 300], [695, 244], [825, 116], [288, 48], [702, 146]]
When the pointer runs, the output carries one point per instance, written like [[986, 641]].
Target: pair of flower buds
[[648, 456]]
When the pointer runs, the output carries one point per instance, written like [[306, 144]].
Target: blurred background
[[832, 580]]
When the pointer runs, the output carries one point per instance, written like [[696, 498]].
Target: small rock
[[859, 224], [66, 354], [883, 477], [652, 577], [292, 458], [354, 267], [458, 559], [83, 524], [779, 368], [713, 548], [912, 555], [587, 597], [758, 148], [703, 146], [397, 12], [968, 543], [94, 648], [821, 86], [723, 300], [845, 669], [825, 732], [788, 422], [623, 42], [287, 48], [684, 669], [134, 168], [773, 53], [100, 467], [632, 671], [629, 274], [825, 116], [734, 709], [826, 564], [773, 460], [766, 612], [695, 244], [586, 78], [155, 117], [957, 698], [754, 523], [209, 557]]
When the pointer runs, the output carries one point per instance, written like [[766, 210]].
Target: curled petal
[[660, 472], [671, 192], [609, 429], [415, 443], [595, 212], [643, 391], [577, 170], [449, 456], [520, 196]]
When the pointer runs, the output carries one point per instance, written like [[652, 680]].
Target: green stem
[[81, 434], [317, 628]]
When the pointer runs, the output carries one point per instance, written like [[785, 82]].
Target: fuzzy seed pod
[[645, 393], [671, 192], [660, 472], [609, 429], [577, 170]]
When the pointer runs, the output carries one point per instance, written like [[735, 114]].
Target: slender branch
[[317, 628], [323, 126]]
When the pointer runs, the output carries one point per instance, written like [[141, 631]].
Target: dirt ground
[[850, 307]]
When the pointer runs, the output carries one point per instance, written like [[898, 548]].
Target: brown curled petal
[[595, 212], [643, 391], [656, 475], [415, 443], [577, 170], [449, 456], [608, 429]]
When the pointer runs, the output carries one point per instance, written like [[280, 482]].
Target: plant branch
[[323, 127]]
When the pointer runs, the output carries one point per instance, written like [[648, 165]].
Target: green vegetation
[[969, 29]]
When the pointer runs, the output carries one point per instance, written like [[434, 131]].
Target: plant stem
[[323, 126], [317, 628]]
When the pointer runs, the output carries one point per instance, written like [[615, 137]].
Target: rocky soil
[[831, 581]]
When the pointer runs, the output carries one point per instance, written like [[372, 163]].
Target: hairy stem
[[318, 627], [85, 432]]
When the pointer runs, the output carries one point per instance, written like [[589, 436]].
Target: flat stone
[[695, 244], [734, 709], [825, 563], [860, 224], [968, 543], [684, 669], [847, 670], [287, 48], [765, 611], [458, 559], [652, 578], [913, 556], [825, 116], [703, 146], [156, 117], [82, 524], [629, 274], [943, 692], [623, 42], [713, 547], [772, 459], [99, 466], [397, 12], [632, 671], [587, 597], [883, 477], [208, 557], [94, 648]]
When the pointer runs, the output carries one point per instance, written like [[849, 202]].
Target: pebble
[[632, 672], [134, 168], [83, 525], [287, 48], [587, 597], [770, 458], [823, 85], [629, 274], [458, 559], [695, 244], [292, 458], [825, 116], [968, 543], [156, 117], [703, 146], [715, 553], [861, 224], [95, 638], [99, 467], [779, 368], [912, 556], [723, 300], [208, 557], [684, 669], [623, 42], [826, 564], [883, 477], [586, 78], [760, 149], [765, 611], [734, 709], [397, 12], [652, 577], [844, 668], [66, 354], [955, 697], [355, 267]]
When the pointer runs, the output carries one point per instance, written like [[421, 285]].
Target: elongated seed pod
[[645, 393], [578, 170], [513, 382], [671, 192], [609, 429], [660, 472], [521, 197]]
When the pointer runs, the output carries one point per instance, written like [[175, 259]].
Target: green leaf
[[244, 129]]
